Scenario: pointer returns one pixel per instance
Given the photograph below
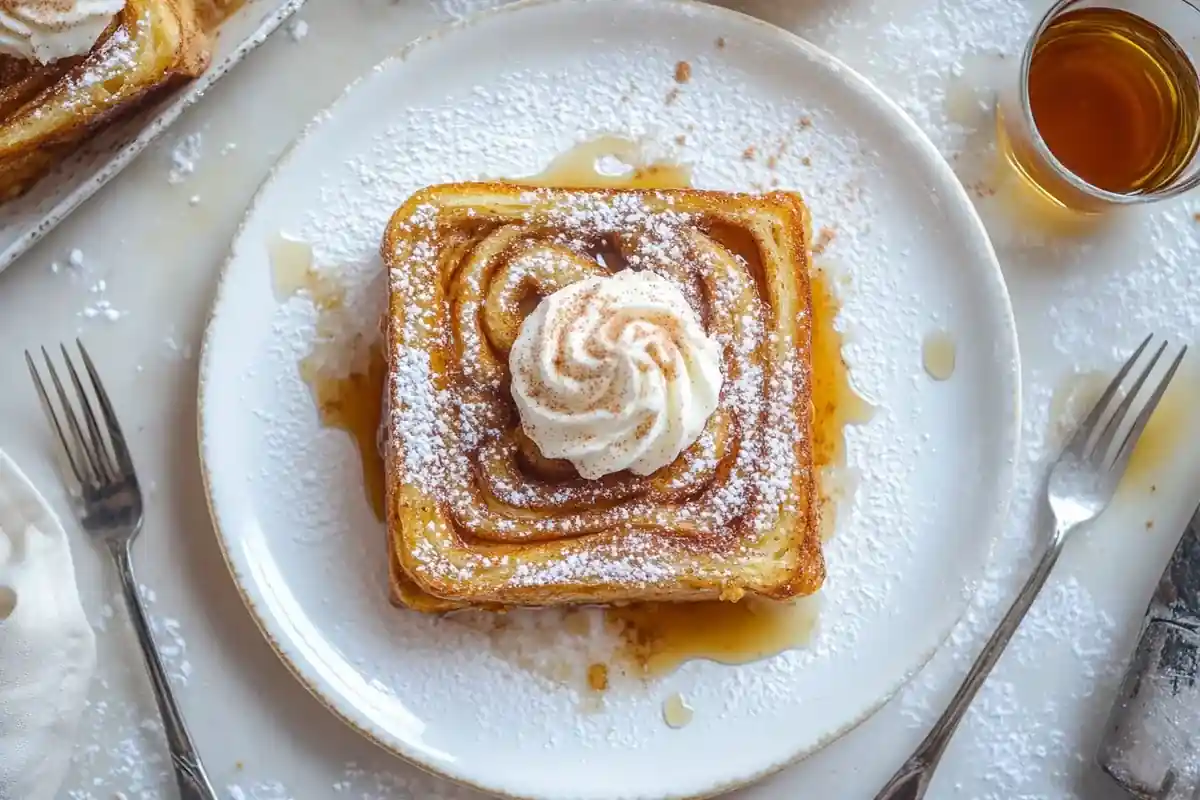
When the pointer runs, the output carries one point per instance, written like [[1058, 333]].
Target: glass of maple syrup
[[1106, 109]]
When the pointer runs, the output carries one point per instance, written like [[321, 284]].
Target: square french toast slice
[[477, 516]]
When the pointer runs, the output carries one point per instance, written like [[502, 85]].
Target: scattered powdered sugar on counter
[[123, 751], [922, 55], [185, 157], [297, 30], [1165, 250], [83, 273]]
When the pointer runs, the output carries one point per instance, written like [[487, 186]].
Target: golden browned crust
[[464, 542], [46, 112]]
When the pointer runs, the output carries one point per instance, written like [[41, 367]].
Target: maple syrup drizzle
[[597, 677], [354, 402], [657, 637], [609, 162], [836, 403], [660, 637]]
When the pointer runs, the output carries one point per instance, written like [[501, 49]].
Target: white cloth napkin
[[47, 648]]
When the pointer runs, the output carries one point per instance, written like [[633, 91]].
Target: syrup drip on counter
[[1173, 424], [354, 402], [938, 355]]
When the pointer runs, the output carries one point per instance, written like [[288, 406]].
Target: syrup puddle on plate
[[660, 637], [352, 402], [677, 713], [655, 637], [939, 356], [610, 162], [291, 267]]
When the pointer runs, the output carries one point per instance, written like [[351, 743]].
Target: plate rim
[[1008, 347]]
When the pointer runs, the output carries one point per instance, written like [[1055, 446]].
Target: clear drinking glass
[[1104, 89]]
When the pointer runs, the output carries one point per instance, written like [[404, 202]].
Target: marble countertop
[[134, 272]]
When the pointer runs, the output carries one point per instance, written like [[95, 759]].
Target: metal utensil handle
[[912, 780], [1148, 744], [189, 772]]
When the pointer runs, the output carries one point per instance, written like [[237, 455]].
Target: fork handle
[[912, 779], [189, 772]]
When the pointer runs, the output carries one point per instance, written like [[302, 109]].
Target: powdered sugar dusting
[[1035, 727], [117, 55], [631, 535], [711, 122]]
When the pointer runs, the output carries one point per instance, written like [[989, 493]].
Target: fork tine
[[1084, 431], [120, 446], [104, 460], [87, 458], [1121, 459], [1104, 441], [48, 408]]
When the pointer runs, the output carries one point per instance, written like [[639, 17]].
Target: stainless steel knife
[[1151, 745]]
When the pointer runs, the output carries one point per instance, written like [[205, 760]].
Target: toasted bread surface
[[46, 112], [477, 517]]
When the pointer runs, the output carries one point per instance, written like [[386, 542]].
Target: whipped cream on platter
[[47, 648], [49, 30], [614, 373]]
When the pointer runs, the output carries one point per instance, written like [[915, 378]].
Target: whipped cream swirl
[[614, 373], [49, 30]]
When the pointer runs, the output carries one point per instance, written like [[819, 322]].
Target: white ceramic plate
[[500, 96], [24, 221]]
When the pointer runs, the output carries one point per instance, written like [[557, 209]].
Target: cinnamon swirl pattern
[[478, 514]]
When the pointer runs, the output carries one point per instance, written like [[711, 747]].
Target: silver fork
[[1081, 485], [98, 468]]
